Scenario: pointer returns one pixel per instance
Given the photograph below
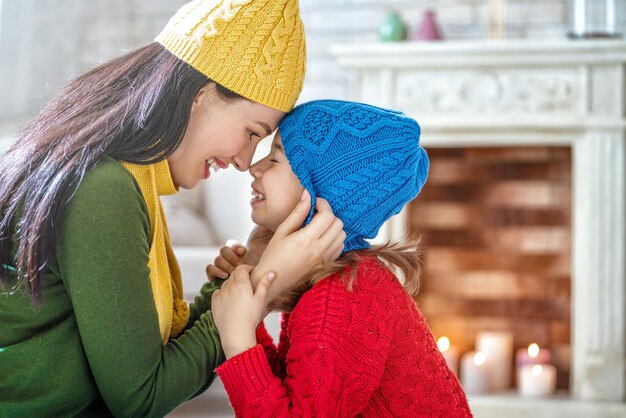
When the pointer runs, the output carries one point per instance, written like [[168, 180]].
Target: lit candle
[[475, 372], [537, 380], [531, 356], [450, 353], [498, 348]]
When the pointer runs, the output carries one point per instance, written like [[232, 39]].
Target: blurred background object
[[597, 19], [496, 19], [428, 29], [393, 28]]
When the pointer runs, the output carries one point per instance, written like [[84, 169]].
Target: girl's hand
[[224, 264], [238, 308], [294, 251]]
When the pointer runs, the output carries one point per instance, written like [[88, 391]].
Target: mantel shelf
[[480, 53]]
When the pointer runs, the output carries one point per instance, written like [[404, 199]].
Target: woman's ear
[[203, 94]]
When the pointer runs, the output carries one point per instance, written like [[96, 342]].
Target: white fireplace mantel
[[516, 93]]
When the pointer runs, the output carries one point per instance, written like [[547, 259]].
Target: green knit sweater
[[93, 348]]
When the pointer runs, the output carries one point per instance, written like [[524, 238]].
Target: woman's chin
[[185, 183]]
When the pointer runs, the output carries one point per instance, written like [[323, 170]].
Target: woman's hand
[[294, 251], [238, 308]]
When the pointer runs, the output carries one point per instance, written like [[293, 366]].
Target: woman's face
[[221, 132], [275, 190]]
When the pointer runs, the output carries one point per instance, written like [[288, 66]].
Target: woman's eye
[[252, 134]]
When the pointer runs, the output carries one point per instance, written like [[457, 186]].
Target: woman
[[92, 317]]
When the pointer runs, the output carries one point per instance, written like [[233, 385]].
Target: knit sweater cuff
[[262, 336], [248, 372]]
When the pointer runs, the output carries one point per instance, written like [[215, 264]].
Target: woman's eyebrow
[[264, 126]]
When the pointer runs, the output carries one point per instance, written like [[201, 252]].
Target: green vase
[[392, 29]]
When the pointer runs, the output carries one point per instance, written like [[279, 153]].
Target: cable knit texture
[[366, 161], [255, 48], [366, 352]]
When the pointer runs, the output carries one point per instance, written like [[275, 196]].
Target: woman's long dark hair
[[135, 108]]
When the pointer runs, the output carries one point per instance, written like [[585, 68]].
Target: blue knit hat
[[365, 160]]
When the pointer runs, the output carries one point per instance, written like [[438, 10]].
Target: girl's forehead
[[277, 143]]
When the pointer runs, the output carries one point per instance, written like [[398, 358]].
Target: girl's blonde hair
[[403, 260]]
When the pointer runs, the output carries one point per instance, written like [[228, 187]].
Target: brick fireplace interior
[[496, 226]]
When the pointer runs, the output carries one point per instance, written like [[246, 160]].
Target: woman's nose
[[242, 160]]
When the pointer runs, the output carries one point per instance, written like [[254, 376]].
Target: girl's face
[[275, 190], [220, 133]]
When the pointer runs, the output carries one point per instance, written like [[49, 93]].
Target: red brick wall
[[496, 227]]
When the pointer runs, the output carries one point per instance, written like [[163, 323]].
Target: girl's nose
[[256, 169]]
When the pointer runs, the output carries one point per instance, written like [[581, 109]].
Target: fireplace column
[[599, 252]]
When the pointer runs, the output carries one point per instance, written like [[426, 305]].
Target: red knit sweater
[[365, 352]]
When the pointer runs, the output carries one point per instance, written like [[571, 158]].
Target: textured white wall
[[329, 22], [44, 42]]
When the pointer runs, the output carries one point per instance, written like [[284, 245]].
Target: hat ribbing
[[365, 160], [255, 48]]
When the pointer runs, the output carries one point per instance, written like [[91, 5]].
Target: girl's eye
[[273, 160]]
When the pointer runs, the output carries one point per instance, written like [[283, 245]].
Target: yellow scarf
[[156, 180]]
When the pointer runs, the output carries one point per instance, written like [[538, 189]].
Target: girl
[[91, 316], [355, 342]]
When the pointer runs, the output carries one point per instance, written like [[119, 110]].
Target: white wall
[[45, 42]]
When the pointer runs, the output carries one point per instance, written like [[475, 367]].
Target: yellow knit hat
[[253, 47]]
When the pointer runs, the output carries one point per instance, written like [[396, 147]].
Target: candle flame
[[443, 343], [533, 350], [536, 370], [479, 358]]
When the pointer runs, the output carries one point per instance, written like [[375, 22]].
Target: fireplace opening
[[495, 223]]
